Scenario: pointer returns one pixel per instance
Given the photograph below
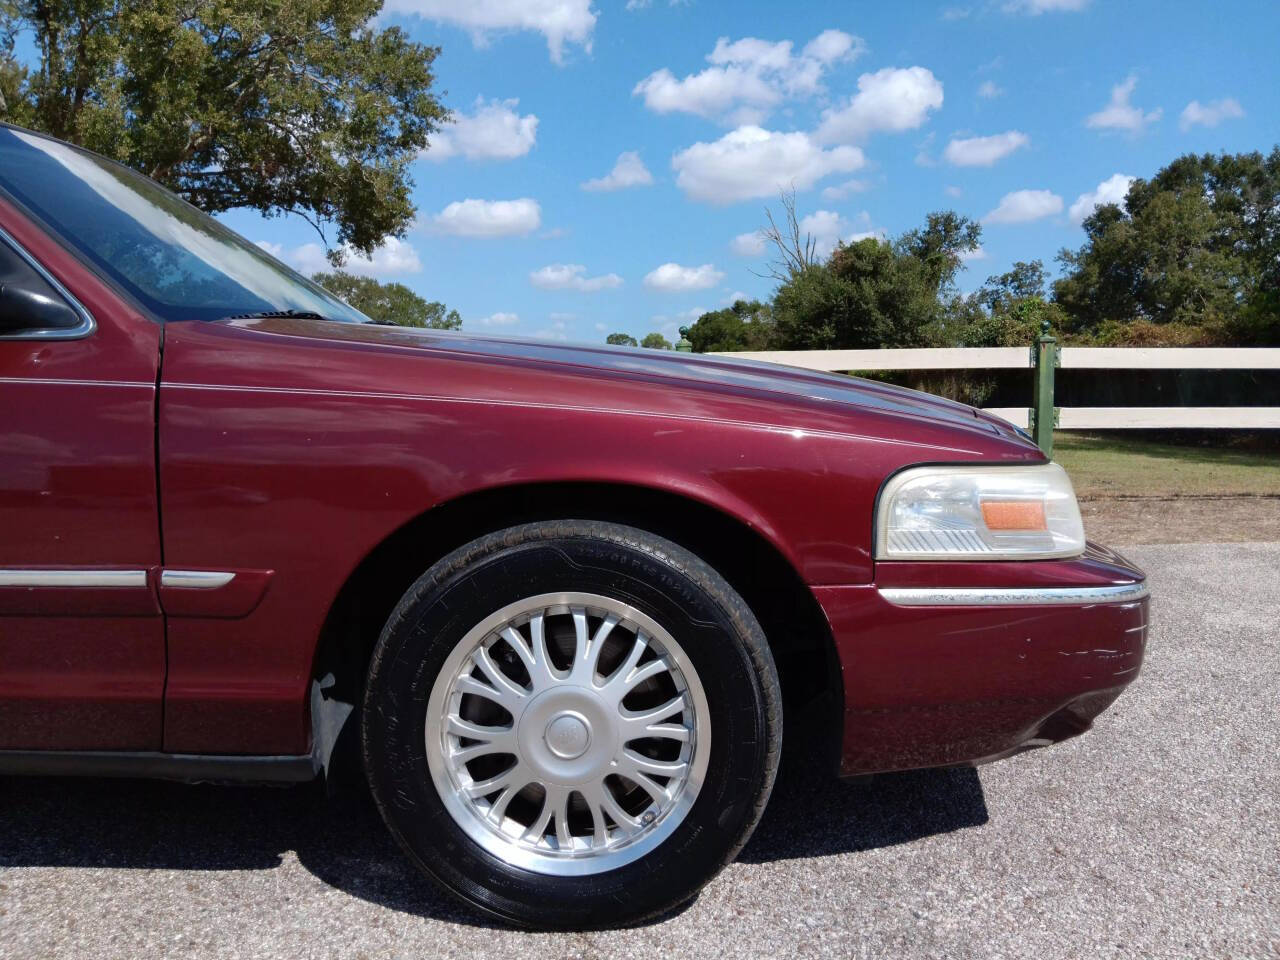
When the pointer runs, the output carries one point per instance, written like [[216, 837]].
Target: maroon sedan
[[554, 602]]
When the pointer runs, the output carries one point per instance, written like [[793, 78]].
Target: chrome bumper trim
[[1014, 596], [196, 579], [73, 578]]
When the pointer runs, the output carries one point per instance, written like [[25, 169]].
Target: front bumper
[[948, 663]]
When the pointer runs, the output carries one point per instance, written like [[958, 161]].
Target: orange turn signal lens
[[1014, 515]]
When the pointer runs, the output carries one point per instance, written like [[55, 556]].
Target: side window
[[31, 305]]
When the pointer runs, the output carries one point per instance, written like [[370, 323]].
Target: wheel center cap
[[568, 735]]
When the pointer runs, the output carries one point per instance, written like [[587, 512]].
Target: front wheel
[[572, 724]]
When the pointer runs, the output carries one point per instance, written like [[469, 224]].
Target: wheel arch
[[794, 624]]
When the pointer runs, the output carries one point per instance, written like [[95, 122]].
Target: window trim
[[87, 323]]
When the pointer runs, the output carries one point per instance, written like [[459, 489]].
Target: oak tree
[[746, 325], [308, 107], [1194, 250]]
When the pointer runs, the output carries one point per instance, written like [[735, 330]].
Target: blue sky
[[683, 119]]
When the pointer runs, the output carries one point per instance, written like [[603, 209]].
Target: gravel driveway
[[1155, 835]]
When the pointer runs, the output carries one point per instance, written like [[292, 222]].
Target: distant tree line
[[391, 304], [1192, 257], [653, 341]]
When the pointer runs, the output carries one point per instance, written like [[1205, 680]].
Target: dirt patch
[[1181, 520]]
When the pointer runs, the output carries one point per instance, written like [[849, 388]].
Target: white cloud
[[713, 93], [924, 158], [984, 151], [560, 21], [554, 332], [496, 320], [673, 278], [842, 191], [734, 297], [629, 171], [891, 100], [684, 316], [670, 325], [748, 78], [1119, 113], [747, 244], [601, 328], [832, 46], [827, 228], [490, 218], [1037, 7], [392, 258], [970, 256], [1209, 114], [823, 227], [989, 90], [493, 132], [1111, 190], [572, 276], [751, 162], [1023, 206], [954, 191]]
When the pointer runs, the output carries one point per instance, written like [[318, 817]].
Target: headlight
[[979, 513]]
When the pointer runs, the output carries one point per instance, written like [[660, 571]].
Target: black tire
[[717, 632]]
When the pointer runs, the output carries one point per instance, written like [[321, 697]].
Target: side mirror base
[[32, 303]]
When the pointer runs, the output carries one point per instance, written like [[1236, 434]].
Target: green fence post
[[1044, 415], [684, 346]]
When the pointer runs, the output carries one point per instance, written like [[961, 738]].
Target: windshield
[[175, 260]]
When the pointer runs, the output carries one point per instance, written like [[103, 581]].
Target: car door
[[82, 658]]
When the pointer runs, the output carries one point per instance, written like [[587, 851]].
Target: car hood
[[724, 374]]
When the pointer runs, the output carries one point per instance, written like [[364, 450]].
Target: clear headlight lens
[[979, 513]]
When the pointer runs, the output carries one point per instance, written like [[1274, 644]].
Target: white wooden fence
[[1094, 358]]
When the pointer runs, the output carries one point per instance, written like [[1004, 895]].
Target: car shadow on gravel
[[141, 825], [813, 814]]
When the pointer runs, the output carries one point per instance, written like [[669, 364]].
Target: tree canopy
[[870, 293], [1194, 253], [303, 107], [747, 325], [1009, 310], [621, 340], [389, 303], [655, 341]]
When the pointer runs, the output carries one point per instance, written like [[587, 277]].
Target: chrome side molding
[[187, 579], [1014, 596], [72, 578], [196, 579]]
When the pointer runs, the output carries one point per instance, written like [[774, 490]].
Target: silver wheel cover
[[568, 734]]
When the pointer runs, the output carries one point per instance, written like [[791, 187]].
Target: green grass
[[1112, 464]]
